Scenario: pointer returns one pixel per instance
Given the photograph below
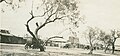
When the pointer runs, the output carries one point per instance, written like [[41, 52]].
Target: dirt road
[[18, 50]]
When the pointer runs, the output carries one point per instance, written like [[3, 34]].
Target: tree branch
[[27, 25], [28, 29], [5, 1], [44, 12], [50, 16], [1, 1], [31, 13], [56, 19], [37, 24], [46, 22], [92, 40]]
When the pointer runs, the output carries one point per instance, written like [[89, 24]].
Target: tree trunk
[[113, 46], [42, 48], [106, 48], [39, 43], [91, 50], [91, 47]]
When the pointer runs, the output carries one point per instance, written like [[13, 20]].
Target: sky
[[104, 14]]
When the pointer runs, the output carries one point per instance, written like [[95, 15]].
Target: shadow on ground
[[86, 54], [52, 54]]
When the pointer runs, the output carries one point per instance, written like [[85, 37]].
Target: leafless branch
[[51, 16], [56, 19], [5, 1], [28, 29], [1, 1], [37, 24], [46, 22], [44, 12], [31, 13], [27, 25], [93, 39]]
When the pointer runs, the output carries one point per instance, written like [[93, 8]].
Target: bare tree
[[105, 38], [53, 10], [109, 40], [115, 35], [92, 36]]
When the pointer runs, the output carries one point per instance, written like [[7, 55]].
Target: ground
[[18, 50]]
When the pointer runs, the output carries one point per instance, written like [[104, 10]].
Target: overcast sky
[[104, 14]]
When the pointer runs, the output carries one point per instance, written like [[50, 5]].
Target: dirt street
[[18, 50]]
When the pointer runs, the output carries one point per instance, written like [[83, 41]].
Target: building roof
[[58, 39], [6, 34]]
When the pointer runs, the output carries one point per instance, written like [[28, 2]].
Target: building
[[7, 37], [57, 42], [74, 41]]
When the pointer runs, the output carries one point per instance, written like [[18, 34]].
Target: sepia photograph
[[59, 27]]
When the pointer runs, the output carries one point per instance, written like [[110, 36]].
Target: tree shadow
[[16, 54], [86, 54]]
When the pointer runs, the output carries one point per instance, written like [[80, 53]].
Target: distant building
[[4, 31], [57, 42], [74, 41], [7, 37]]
